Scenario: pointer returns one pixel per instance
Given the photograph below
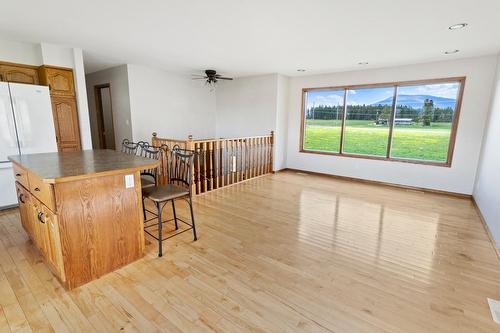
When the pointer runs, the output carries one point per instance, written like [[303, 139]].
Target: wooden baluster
[[189, 145], [216, 163], [242, 160], [233, 158], [271, 144], [246, 158], [250, 158], [198, 168], [204, 160], [227, 167], [210, 165], [259, 157], [221, 164], [238, 160], [268, 156], [264, 156], [229, 160], [236, 154], [254, 153]]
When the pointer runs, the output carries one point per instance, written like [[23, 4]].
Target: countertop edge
[[89, 175]]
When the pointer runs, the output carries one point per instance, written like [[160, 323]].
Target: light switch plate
[[129, 181]]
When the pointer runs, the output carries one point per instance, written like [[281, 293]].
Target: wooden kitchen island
[[82, 210]]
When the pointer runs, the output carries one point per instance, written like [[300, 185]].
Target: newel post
[[271, 166], [190, 146], [154, 138]]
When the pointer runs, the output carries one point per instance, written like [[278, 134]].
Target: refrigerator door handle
[[18, 123]]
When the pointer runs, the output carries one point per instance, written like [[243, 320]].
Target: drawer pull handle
[[18, 175], [40, 217], [37, 189], [21, 198]]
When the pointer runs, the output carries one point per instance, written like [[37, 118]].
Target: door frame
[[99, 113]]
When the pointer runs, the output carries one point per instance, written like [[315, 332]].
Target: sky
[[373, 95]]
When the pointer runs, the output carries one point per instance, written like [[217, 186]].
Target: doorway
[[104, 113]]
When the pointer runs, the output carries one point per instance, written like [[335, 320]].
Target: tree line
[[427, 114]]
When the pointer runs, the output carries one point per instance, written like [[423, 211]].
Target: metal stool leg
[[175, 215], [160, 229], [192, 217], [143, 209]]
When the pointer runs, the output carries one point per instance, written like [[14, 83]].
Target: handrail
[[224, 161]]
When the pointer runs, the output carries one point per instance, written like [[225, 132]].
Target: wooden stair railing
[[223, 162]]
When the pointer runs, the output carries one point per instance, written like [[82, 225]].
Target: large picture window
[[402, 121]]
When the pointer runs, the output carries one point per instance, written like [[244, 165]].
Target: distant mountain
[[417, 101]]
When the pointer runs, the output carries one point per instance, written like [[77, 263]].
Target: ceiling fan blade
[[224, 78], [198, 78]]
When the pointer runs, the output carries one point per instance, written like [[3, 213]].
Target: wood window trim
[[396, 85]]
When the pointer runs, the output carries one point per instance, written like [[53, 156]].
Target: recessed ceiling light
[[363, 63], [457, 26], [451, 51], [301, 70]]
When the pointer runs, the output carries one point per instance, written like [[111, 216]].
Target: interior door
[[33, 116]]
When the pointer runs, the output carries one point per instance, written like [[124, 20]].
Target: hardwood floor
[[282, 253]]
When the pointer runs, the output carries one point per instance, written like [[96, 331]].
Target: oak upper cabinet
[[18, 74], [59, 80], [66, 124]]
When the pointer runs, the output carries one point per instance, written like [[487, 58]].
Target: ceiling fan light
[[457, 26]]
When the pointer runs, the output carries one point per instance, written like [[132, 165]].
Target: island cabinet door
[[40, 230], [23, 197], [54, 250]]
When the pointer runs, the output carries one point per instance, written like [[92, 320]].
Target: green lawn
[[364, 137]]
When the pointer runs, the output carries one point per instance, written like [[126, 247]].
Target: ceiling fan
[[211, 77]]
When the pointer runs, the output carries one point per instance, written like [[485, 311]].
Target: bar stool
[[129, 147], [179, 186]]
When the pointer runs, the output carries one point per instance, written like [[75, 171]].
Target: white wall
[[170, 104], [459, 178], [254, 105], [56, 55], [247, 106], [487, 189], [19, 52], [117, 77], [281, 129]]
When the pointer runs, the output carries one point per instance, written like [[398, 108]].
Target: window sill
[[379, 158]]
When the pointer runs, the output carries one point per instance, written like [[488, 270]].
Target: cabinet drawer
[[43, 191], [21, 175]]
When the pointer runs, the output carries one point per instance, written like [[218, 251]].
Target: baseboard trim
[[376, 182], [486, 228]]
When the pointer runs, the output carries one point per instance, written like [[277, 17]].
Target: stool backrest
[[129, 147], [154, 152], [181, 171]]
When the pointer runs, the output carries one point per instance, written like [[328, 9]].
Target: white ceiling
[[238, 37]]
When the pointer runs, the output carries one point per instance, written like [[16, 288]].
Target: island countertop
[[69, 166]]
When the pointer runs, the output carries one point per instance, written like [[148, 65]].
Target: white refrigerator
[[26, 127]]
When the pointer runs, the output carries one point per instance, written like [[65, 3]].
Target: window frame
[[395, 85]]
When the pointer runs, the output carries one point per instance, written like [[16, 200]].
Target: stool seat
[[164, 192], [147, 182]]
